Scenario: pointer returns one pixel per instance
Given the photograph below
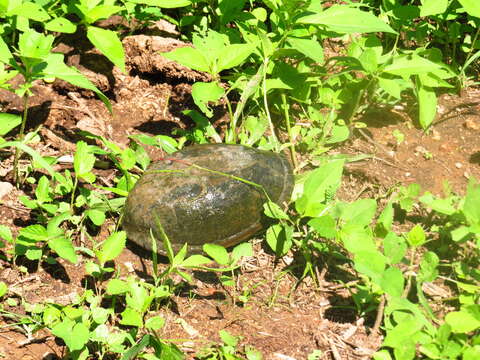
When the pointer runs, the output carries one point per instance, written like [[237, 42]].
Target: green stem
[[475, 38], [289, 130], [72, 199], [21, 136], [265, 103]]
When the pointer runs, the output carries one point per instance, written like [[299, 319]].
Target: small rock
[[458, 165], [436, 135], [472, 125], [5, 188], [407, 174]]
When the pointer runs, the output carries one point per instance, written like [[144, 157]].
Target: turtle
[[209, 193]]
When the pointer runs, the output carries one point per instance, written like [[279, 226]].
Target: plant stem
[[21, 136], [265, 102], [289, 130]]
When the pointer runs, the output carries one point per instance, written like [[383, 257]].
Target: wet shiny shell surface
[[198, 201]]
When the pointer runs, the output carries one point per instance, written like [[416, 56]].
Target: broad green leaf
[[472, 7], [96, 216], [57, 68], [109, 44], [471, 207], [64, 248], [392, 282], [35, 232], [416, 236], [274, 211], [33, 45], [131, 317], [428, 267], [75, 335], [390, 86], [117, 287], [433, 7], [155, 323], [427, 106], [321, 184], [370, 263], [234, 55], [204, 93], [167, 4], [30, 10], [394, 248], [241, 250], [42, 192], [189, 57], [369, 61], [465, 320], [83, 160], [280, 238], [195, 261], [8, 122], [356, 239], [308, 47], [112, 247], [405, 66], [3, 288], [217, 253], [62, 25], [325, 226], [343, 19], [6, 233], [5, 54], [385, 219], [101, 12], [360, 212]]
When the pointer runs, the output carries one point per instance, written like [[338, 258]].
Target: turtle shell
[[198, 197]]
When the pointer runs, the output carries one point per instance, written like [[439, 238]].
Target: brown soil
[[280, 319]]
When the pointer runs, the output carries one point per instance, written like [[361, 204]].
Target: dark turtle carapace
[[197, 196]]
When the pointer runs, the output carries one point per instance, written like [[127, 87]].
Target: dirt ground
[[282, 319]]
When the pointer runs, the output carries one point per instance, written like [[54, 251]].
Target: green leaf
[[6, 233], [392, 282], [5, 54], [308, 47], [385, 220], [428, 267], [433, 7], [101, 12], [189, 57], [75, 335], [109, 44], [217, 253], [405, 66], [117, 287], [343, 19], [33, 45], [112, 247], [234, 55], [203, 93], [471, 207], [360, 212], [472, 7], [83, 160], [64, 248], [3, 288], [390, 86], [57, 68], [155, 323], [167, 4], [427, 106], [241, 250], [325, 226], [416, 236], [195, 261], [356, 238], [465, 320], [369, 61], [62, 25], [280, 238], [274, 211], [96, 216], [394, 248], [320, 184], [42, 192], [30, 10], [34, 232], [370, 263], [131, 317], [8, 122]]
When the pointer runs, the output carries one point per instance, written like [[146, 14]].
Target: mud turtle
[[198, 200]]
